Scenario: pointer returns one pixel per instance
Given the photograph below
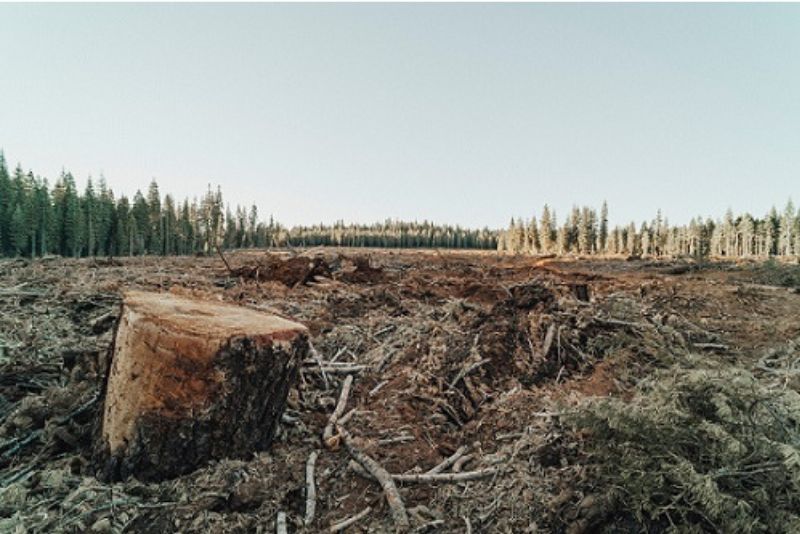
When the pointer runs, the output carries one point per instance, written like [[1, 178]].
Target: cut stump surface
[[191, 381]]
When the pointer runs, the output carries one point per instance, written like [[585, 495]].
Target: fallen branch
[[405, 438], [447, 477], [448, 461], [326, 363], [423, 478], [19, 444], [464, 372], [377, 388], [280, 524], [548, 340], [341, 525], [618, 322], [342, 369], [357, 469], [311, 489], [461, 462], [327, 435], [318, 361], [710, 346], [18, 292], [346, 417], [383, 477]]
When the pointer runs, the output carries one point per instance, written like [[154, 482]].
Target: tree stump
[[191, 381]]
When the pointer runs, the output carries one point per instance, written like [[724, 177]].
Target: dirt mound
[[358, 270], [290, 272]]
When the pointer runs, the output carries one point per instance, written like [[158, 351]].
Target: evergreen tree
[[6, 208], [67, 216], [603, 228], [89, 203], [154, 237], [169, 226], [18, 231], [786, 230], [546, 230], [142, 227]]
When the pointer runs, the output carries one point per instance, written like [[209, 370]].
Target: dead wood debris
[[445, 349], [343, 524], [311, 489], [379, 473], [328, 439]]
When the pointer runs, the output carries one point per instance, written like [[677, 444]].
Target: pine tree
[[18, 232], [746, 230], [252, 227], [6, 209], [631, 246], [67, 216], [186, 233], [797, 234], [546, 230], [786, 230], [603, 228], [534, 246], [43, 212], [105, 219], [154, 239], [771, 232], [141, 229], [89, 203], [170, 226], [646, 239]]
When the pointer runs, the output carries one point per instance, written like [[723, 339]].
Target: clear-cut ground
[[448, 350]]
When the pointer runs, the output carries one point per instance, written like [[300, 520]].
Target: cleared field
[[570, 395]]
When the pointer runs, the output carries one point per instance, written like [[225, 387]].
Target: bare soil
[[447, 349]]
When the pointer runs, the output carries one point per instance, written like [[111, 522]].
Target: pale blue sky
[[458, 113]]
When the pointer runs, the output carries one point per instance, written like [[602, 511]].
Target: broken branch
[[327, 435], [311, 489], [448, 461], [341, 525], [383, 477]]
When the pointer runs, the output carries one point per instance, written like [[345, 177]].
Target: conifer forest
[[37, 219]]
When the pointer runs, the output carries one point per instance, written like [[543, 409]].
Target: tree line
[[392, 234], [584, 232], [37, 219]]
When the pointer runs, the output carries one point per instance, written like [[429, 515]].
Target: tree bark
[[191, 381]]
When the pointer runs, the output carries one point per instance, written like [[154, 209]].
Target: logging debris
[[498, 357]]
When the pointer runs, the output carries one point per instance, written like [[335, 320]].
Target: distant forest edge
[[37, 220], [585, 233]]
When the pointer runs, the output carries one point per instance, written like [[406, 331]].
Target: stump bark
[[191, 381]]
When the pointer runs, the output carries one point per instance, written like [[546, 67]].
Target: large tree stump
[[191, 381]]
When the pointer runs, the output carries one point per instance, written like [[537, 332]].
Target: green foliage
[[35, 221], [390, 234], [699, 451]]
